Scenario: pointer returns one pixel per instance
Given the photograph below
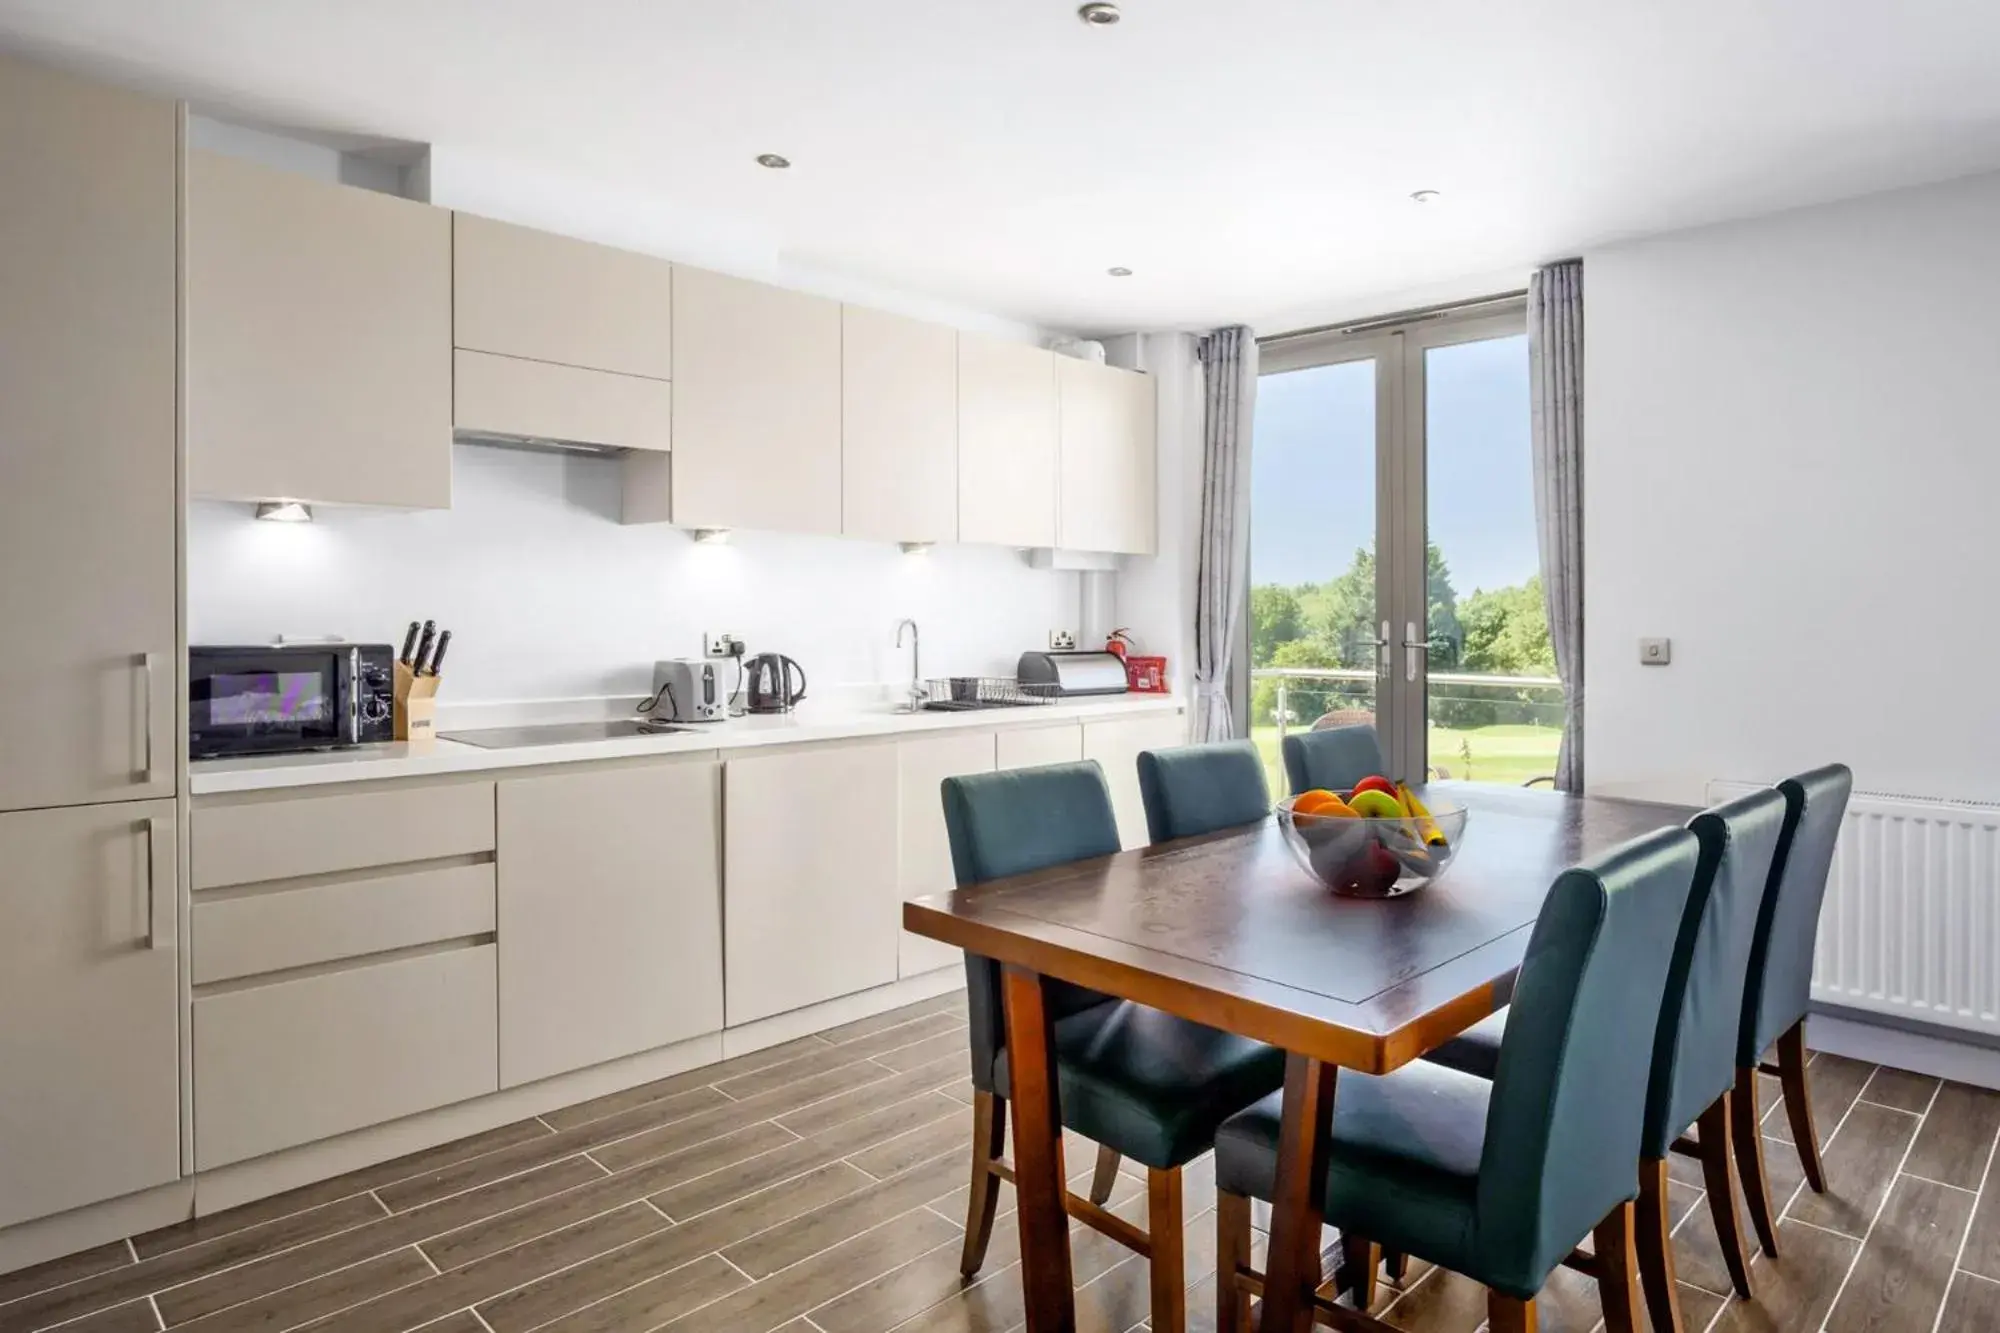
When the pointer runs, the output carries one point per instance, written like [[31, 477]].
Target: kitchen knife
[[424, 647], [437, 658], [409, 657]]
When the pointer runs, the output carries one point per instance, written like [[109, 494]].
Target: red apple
[[1376, 783]]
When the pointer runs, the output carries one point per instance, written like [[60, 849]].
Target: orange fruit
[[1319, 802]]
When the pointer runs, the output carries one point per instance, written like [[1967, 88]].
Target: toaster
[[687, 689]]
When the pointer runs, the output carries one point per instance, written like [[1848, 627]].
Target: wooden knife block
[[416, 706]]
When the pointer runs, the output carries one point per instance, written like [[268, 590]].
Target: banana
[[1432, 834]]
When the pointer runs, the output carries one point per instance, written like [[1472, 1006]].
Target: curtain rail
[[1420, 315]]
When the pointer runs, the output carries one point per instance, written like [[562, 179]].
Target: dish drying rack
[[965, 693]]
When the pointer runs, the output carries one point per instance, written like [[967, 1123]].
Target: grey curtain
[[1555, 368], [1222, 583]]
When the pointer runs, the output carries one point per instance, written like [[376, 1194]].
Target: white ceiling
[[1249, 159]]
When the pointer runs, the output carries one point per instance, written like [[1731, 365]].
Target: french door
[[1394, 568]]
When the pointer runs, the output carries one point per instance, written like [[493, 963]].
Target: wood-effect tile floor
[[820, 1186]]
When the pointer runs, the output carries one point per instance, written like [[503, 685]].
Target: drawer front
[[317, 835], [279, 928], [297, 1061], [1031, 747], [504, 395]]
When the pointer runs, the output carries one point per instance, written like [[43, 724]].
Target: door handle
[[150, 769], [1382, 653], [160, 930], [1412, 645]]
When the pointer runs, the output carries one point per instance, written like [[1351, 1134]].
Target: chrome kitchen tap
[[917, 694]]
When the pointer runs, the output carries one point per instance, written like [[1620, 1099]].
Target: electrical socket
[[721, 644], [1061, 641]]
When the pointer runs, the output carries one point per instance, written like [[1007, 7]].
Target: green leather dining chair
[[1694, 1038], [1780, 985], [1500, 1180], [1335, 758], [1142, 1083], [1195, 789]]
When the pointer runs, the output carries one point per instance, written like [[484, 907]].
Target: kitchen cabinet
[[899, 428], [260, 839], [313, 1055], [1108, 493], [506, 396], [1031, 747], [88, 411], [519, 292], [809, 873], [756, 410], [1115, 744], [923, 849], [89, 1005], [1008, 436], [318, 340], [610, 914]]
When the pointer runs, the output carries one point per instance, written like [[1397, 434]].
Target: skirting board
[[244, 1182], [1922, 1051]]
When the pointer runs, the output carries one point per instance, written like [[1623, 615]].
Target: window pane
[[1495, 704], [1312, 552]]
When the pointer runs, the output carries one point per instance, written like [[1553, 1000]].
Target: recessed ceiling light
[[284, 511], [711, 536], [1423, 196], [775, 161], [1119, 271], [1099, 14]]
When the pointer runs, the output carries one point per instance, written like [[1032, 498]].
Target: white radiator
[[1911, 924]]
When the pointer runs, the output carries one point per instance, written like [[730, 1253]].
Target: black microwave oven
[[288, 698]]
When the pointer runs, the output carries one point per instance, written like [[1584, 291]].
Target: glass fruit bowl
[[1371, 855]]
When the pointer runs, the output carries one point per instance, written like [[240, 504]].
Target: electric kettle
[[768, 683]]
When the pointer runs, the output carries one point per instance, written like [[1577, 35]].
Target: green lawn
[[1506, 754]]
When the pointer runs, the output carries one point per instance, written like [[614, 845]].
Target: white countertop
[[372, 763]]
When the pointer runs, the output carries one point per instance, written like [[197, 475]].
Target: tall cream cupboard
[[89, 1100], [1009, 425], [1106, 499], [318, 340]]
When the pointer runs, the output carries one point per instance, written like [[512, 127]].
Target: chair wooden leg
[[1654, 1225], [1798, 1103], [1105, 1177], [989, 1142], [1359, 1259], [1232, 1256], [1746, 1130], [1396, 1264], [1718, 1175], [1615, 1244], [1167, 1233], [1509, 1314]]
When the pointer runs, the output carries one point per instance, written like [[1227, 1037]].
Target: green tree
[[1274, 619], [1507, 631]]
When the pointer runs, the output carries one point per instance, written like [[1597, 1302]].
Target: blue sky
[[1313, 477]]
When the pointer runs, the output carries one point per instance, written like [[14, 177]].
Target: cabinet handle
[[146, 682], [159, 926]]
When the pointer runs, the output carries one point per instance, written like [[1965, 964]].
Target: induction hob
[[559, 733]]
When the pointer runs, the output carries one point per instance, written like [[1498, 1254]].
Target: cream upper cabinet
[[1008, 427], [89, 1002], [899, 428], [756, 428], [610, 893], [1115, 744], [810, 869], [87, 441], [1108, 492], [924, 851], [521, 292], [318, 340]]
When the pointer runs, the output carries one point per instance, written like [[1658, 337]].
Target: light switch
[[1655, 652]]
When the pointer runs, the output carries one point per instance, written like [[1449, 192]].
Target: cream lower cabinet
[[810, 872], [610, 914], [1115, 744], [1031, 747], [89, 1004], [924, 851]]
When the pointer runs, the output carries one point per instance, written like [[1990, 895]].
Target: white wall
[[1793, 469], [549, 597]]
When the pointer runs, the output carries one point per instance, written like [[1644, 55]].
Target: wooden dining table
[[1229, 930]]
